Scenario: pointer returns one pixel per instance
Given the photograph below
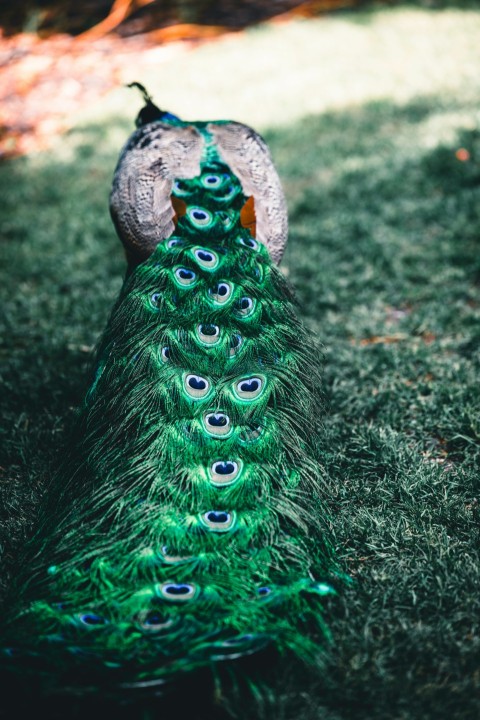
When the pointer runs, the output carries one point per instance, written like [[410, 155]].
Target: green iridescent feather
[[185, 527]]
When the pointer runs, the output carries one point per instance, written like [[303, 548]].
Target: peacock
[[185, 528]]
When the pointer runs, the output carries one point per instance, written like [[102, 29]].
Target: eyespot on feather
[[92, 619], [217, 424], [212, 181], [181, 188], [207, 259], [225, 472], [229, 193], [176, 592], [221, 293], [196, 386], [199, 217], [258, 272], [174, 242], [153, 621], [208, 333], [155, 300], [185, 277], [263, 591], [249, 388], [248, 242], [245, 307], [218, 520], [236, 342]]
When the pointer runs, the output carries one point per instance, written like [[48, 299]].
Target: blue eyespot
[[205, 256], [229, 193], [245, 306], [174, 242], [155, 299], [12, 652], [197, 383], [225, 472], [199, 216], [249, 388], [217, 517], [177, 591], [210, 330], [207, 259], [221, 292], [156, 621], [218, 420], [225, 468], [248, 242], [209, 334], [263, 591], [235, 343], [196, 386], [217, 423], [212, 181], [166, 353], [185, 276], [180, 187], [258, 272], [218, 520], [92, 619]]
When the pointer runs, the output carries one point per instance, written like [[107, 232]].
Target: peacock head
[[150, 112]]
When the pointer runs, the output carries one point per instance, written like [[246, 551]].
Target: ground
[[372, 119]]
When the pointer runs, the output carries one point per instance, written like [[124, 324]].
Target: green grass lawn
[[385, 258]]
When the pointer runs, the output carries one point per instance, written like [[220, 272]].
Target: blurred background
[[285, 58], [372, 114]]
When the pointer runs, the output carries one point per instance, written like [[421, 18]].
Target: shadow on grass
[[61, 270], [383, 254]]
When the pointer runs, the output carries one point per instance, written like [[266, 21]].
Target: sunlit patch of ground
[[271, 74]]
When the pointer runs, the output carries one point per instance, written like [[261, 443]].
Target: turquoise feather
[[185, 527]]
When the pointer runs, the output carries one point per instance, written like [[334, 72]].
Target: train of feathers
[[184, 528]]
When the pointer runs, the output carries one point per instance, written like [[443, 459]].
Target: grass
[[384, 255]]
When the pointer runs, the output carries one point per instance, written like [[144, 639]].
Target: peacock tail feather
[[185, 526]]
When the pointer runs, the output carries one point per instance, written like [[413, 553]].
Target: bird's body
[[185, 526]]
